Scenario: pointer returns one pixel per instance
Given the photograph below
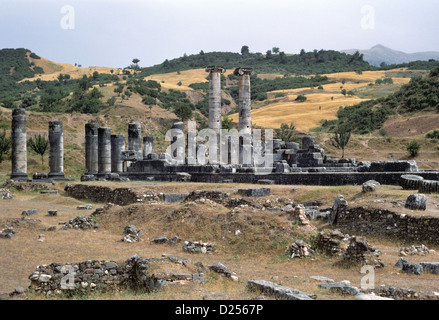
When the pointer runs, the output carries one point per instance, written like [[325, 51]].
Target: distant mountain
[[379, 53]]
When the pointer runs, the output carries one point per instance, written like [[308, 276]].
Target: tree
[[5, 144], [39, 145], [282, 57], [413, 148], [95, 75], [344, 92], [245, 50], [341, 138], [286, 132], [119, 89], [301, 98], [227, 123], [275, 50], [111, 101], [268, 55], [136, 63], [183, 111], [8, 103]]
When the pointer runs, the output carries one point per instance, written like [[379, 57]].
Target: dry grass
[[53, 69], [304, 115], [170, 80], [258, 253]]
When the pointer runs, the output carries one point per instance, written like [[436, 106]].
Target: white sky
[[112, 33]]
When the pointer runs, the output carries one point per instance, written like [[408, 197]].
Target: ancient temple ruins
[[208, 155]]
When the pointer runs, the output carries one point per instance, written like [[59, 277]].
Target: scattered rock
[[80, 223], [7, 233], [343, 287], [85, 207], [278, 291], [131, 234], [198, 247], [339, 207], [6, 194], [322, 279], [416, 202], [29, 212], [421, 250], [220, 268], [174, 240], [52, 212], [299, 249], [368, 187], [160, 240]]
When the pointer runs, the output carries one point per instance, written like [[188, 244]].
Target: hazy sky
[[112, 33]]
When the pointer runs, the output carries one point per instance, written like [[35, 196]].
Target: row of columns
[[244, 104], [104, 151], [19, 147]]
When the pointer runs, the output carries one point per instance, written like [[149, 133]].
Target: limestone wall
[[120, 196], [367, 221]]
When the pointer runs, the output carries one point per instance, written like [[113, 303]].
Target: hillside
[[421, 94], [315, 62], [379, 54]]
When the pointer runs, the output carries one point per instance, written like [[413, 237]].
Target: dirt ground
[[257, 253]]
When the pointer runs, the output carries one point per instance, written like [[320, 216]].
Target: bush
[[413, 148], [433, 134], [301, 98]]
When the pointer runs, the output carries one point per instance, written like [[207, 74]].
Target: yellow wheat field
[[366, 76], [170, 80], [304, 115]]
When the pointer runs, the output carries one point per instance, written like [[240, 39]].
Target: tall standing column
[[178, 144], [245, 123], [56, 150], [148, 146], [104, 151], [91, 148], [215, 97], [135, 137], [191, 142], [117, 146], [19, 151]]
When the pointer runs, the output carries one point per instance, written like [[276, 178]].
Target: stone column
[[215, 97], [117, 146], [104, 151], [148, 146], [178, 142], [245, 123], [192, 142], [91, 148], [135, 137], [56, 150], [19, 151]]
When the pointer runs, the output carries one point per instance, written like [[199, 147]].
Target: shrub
[[301, 98], [413, 148], [433, 134]]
